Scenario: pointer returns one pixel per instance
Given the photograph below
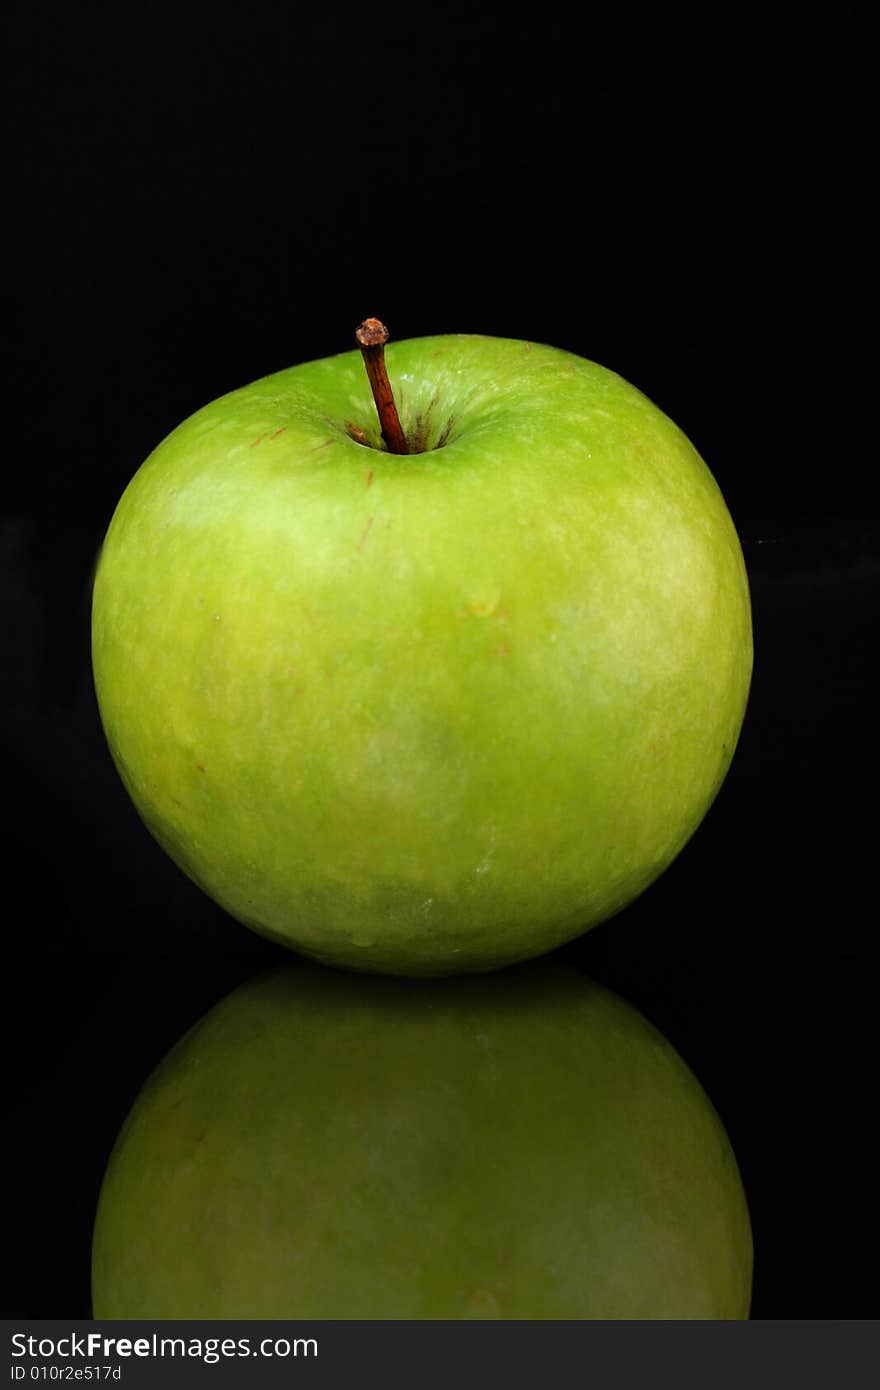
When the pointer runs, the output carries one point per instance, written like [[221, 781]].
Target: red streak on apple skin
[[325, 444], [200, 767], [275, 435], [365, 533], [369, 477]]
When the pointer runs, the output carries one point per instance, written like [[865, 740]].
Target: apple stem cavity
[[371, 336]]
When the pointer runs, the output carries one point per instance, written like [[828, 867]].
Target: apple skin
[[432, 713], [522, 1145]]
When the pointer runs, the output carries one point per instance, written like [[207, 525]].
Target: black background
[[680, 191]]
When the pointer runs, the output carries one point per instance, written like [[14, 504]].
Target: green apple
[[328, 1145], [433, 712]]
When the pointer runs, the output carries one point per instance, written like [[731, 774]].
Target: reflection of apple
[[326, 1145], [428, 713]]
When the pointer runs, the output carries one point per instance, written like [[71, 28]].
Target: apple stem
[[371, 339]]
